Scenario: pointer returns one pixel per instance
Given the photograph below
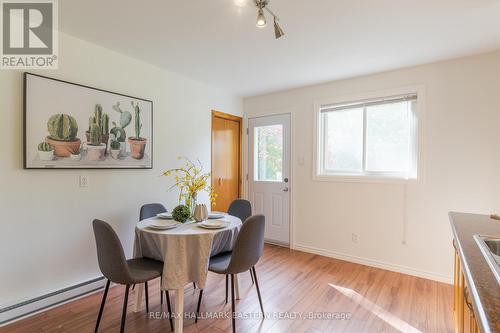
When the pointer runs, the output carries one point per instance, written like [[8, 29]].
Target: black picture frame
[[26, 164]]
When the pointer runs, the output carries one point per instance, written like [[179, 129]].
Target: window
[[372, 138], [269, 153]]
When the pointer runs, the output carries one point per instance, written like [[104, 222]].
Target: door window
[[268, 150]]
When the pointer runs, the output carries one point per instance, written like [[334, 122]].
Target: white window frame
[[414, 174]]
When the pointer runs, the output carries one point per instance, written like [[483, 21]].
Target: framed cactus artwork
[[72, 126]]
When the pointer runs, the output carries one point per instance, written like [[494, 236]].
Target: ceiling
[[217, 42]]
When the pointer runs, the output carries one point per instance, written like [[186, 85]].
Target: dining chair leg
[[167, 296], [258, 290], [233, 305], [251, 275], [198, 307], [194, 285], [227, 286], [147, 297], [124, 313], [102, 306]]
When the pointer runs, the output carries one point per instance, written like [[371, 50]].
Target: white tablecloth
[[184, 250]]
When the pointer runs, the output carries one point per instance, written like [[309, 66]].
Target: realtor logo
[[29, 34]]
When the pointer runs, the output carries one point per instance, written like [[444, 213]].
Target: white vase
[[115, 153], [96, 153], [123, 148], [200, 213], [46, 155], [75, 157]]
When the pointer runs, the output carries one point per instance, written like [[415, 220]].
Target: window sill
[[354, 178]]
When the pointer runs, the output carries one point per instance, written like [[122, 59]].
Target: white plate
[[216, 215], [163, 224], [217, 224], [167, 216]]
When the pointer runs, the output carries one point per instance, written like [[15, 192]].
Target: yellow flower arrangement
[[190, 179]]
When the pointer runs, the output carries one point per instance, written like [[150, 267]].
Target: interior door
[[226, 159], [269, 174]]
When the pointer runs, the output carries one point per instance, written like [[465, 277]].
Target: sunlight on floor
[[386, 316]]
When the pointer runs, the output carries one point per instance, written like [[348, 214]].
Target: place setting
[[211, 215], [213, 224], [163, 224], [209, 220], [166, 221], [162, 221]]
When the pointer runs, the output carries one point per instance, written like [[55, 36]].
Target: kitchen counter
[[483, 286]]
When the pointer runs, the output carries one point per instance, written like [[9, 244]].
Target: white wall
[[46, 240], [461, 169]]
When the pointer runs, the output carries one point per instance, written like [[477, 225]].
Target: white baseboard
[[21, 310], [277, 243], [375, 263]]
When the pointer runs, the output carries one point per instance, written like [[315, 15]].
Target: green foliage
[[138, 124], [100, 118], [118, 132], [125, 116], [98, 115], [105, 124], [62, 127], [125, 119], [270, 152], [95, 135], [115, 145], [44, 146], [91, 121], [181, 213]]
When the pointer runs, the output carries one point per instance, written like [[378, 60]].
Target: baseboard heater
[[30, 307]]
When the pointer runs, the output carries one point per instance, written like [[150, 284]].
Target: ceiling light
[[261, 19], [278, 32]]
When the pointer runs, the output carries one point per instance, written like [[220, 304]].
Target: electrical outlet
[[354, 238], [84, 181]]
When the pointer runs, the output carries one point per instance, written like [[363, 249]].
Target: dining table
[[185, 251]]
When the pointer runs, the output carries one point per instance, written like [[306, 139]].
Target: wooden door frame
[[239, 120]]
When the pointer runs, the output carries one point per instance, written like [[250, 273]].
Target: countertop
[[483, 286]]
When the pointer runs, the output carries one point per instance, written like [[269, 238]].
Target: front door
[[226, 159], [269, 174]]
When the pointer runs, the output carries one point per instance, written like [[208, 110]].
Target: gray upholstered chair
[[151, 210], [246, 253], [242, 209], [119, 270], [148, 211]]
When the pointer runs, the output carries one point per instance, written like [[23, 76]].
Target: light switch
[[354, 238], [300, 160]]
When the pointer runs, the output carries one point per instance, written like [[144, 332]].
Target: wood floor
[[292, 283]]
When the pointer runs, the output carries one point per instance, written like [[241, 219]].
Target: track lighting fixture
[[278, 32], [261, 18]]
